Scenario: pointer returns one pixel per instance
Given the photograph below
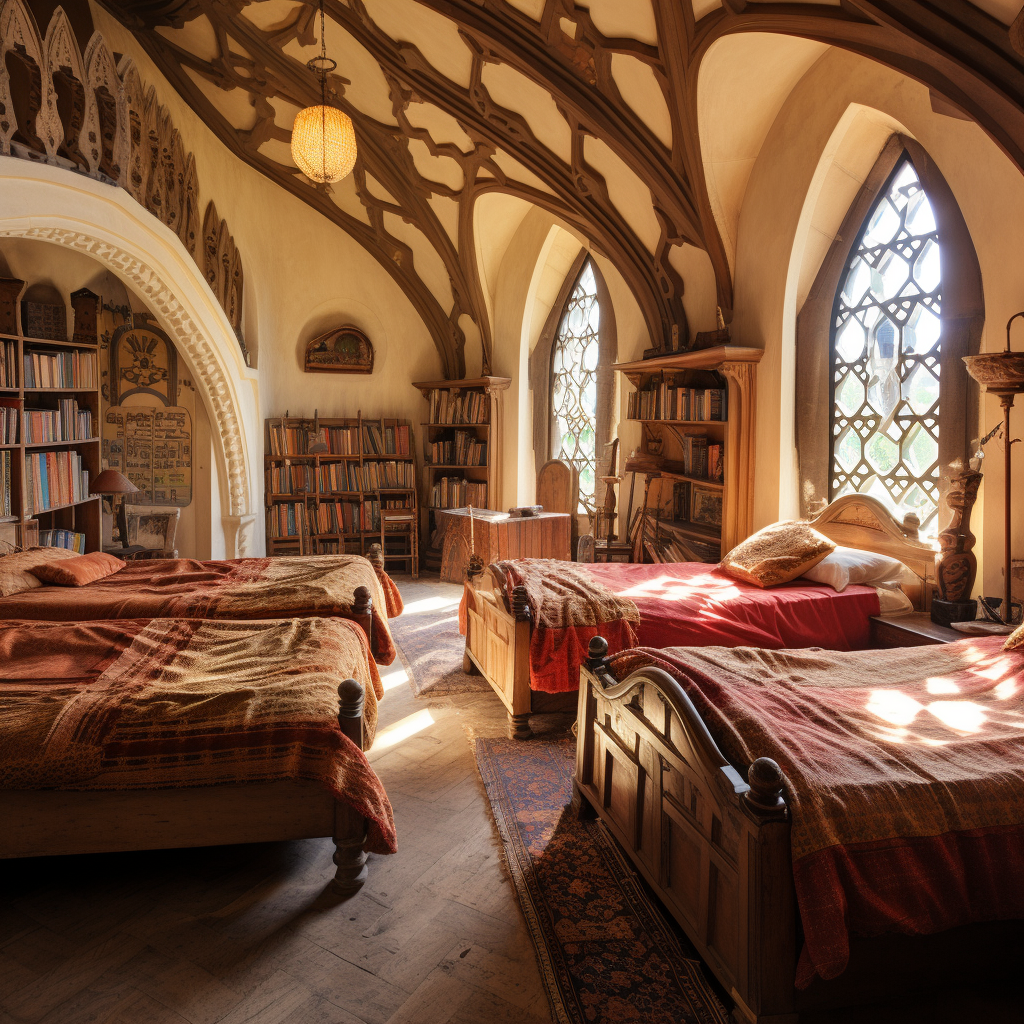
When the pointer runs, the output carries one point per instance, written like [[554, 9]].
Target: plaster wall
[[779, 250]]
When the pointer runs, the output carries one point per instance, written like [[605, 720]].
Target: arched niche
[[52, 205]]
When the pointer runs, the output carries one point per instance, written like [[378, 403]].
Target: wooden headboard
[[859, 521]]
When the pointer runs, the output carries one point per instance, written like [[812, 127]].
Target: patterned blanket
[[170, 704], [243, 588], [905, 774], [568, 607]]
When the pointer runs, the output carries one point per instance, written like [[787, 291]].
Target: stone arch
[[53, 205]]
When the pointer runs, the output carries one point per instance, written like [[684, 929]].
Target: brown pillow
[[82, 569], [17, 569], [777, 554], [1015, 640]]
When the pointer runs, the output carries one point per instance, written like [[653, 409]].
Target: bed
[[531, 659], [163, 733], [348, 586], [827, 828]]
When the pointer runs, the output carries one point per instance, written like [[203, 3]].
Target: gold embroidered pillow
[[1015, 640], [777, 554], [16, 570]]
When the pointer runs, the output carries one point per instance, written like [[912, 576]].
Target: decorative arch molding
[[61, 208]]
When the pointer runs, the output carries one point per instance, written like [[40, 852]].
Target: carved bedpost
[[597, 656], [520, 604], [956, 565], [475, 567], [349, 826], [362, 612], [766, 781], [375, 556]]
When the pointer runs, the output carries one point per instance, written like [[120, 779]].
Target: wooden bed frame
[[42, 823], [716, 850], [498, 624]]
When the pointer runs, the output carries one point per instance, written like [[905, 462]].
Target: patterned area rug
[[605, 951], [429, 642]]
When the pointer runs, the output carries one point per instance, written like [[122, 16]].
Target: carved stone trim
[[188, 338]]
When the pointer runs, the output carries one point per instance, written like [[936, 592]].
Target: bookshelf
[[50, 425], [326, 481], [461, 451], [696, 415]]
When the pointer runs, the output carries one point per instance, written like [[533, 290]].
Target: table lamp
[[110, 482], [1002, 374]]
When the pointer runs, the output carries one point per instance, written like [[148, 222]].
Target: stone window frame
[[962, 318]]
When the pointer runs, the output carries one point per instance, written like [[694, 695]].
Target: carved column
[[738, 506]]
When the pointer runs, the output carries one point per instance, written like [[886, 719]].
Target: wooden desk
[[915, 629], [546, 535]]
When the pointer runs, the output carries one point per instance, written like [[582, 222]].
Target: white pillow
[[851, 565], [892, 600]]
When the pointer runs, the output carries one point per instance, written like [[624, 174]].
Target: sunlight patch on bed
[[671, 588], [1006, 689], [940, 685], [893, 706], [402, 730], [961, 715]]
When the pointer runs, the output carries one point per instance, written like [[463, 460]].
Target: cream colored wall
[[774, 224], [68, 271], [303, 275]]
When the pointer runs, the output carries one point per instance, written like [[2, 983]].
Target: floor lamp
[[111, 483], [1002, 374]]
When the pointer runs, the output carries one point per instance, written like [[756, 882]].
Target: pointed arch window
[[886, 355], [575, 356]]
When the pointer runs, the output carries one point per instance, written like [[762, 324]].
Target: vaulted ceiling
[[588, 110]]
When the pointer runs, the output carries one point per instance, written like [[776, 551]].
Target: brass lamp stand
[[1002, 374]]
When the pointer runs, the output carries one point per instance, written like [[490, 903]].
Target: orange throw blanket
[[568, 608], [169, 704], [241, 588], [904, 778]]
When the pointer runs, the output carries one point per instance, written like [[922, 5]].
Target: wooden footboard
[[714, 847], [43, 823]]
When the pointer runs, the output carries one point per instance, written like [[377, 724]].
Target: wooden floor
[[247, 935]]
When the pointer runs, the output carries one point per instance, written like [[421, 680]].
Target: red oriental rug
[[605, 951]]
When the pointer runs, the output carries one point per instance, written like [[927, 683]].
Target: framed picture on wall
[[343, 350]]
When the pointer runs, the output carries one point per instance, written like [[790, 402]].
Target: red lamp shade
[[112, 482]]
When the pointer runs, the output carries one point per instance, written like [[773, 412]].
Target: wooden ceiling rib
[[954, 48]]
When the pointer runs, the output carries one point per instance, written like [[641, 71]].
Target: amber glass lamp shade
[[323, 143]]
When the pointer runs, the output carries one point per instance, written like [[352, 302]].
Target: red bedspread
[[904, 778], [169, 704], [242, 588]]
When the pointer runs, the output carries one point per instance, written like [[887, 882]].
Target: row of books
[[454, 492], [463, 450], [460, 407], [65, 423], [61, 370], [62, 539], [8, 425], [5, 483], [664, 402], [53, 479], [8, 364], [336, 477], [701, 459], [391, 440], [285, 519]]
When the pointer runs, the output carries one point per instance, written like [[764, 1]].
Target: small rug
[[429, 642], [605, 951]]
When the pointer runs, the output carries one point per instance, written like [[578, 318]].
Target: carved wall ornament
[[87, 113], [343, 350]]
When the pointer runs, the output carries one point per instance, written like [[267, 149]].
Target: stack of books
[[53, 479], [464, 407], [65, 423], [454, 492], [61, 370], [463, 450], [8, 364], [665, 402], [5, 483], [8, 425], [62, 539]]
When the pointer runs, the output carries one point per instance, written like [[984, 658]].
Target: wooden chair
[[153, 531], [558, 490], [401, 522]]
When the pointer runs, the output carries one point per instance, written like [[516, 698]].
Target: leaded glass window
[[574, 361], [885, 346]]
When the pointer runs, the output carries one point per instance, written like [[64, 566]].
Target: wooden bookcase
[[464, 421], [677, 423], [79, 514], [328, 502]]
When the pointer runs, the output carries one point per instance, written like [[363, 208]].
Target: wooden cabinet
[[547, 535], [914, 629], [696, 411]]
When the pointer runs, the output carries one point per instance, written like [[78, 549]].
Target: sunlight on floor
[[403, 729], [431, 604], [395, 677]]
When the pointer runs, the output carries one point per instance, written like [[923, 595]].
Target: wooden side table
[[914, 629], [547, 535]]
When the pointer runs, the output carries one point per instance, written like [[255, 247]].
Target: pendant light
[[323, 139]]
